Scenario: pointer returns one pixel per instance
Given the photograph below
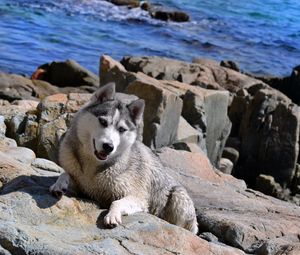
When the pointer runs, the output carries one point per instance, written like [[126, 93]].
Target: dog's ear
[[136, 109], [105, 93]]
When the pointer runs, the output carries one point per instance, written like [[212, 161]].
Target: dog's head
[[108, 127]]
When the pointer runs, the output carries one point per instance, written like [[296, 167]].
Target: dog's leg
[[180, 210], [62, 185], [125, 206]]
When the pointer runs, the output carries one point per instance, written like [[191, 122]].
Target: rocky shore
[[207, 122], [156, 11]]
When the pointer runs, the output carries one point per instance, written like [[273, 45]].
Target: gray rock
[[68, 73], [269, 135], [7, 142], [237, 109], [288, 85], [162, 111], [233, 142], [231, 154], [2, 126], [267, 185], [4, 251], [34, 222], [286, 245], [47, 165], [16, 87], [192, 147], [21, 154], [206, 110], [230, 64], [225, 166], [206, 74], [295, 187], [49, 136], [186, 133], [129, 3], [236, 215], [205, 61], [111, 70]]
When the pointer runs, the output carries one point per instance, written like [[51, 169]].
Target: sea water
[[262, 36]]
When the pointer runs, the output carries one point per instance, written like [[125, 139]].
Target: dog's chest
[[106, 187]]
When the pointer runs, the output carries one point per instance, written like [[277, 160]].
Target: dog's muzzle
[[103, 154]]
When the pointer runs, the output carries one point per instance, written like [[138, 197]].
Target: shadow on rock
[[36, 186], [100, 220]]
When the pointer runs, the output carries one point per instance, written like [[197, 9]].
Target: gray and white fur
[[103, 159]]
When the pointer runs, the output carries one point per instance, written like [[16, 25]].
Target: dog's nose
[[108, 147]]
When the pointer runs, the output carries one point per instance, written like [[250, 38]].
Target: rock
[[286, 245], [226, 166], [231, 154], [2, 126], [230, 64], [192, 147], [236, 215], [7, 142], [162, 111], [129, 3], [41, 128], [16, 87], [49, 136], [267, 185], [160, 12], [34, 222], [295, 187], [9, 111], [269, 134], [186, 133], [47, 165], [233, 142], [288, 85], [206, 110], [205, 75], [145, 6], [212, 134], [113, 71], [195, 164], [52, 107], [165, 15], [21, 154], [67, 73], [205, 61], [237, 109]]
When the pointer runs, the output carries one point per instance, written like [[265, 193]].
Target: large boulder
[[67, 73], [269, 135], [235, 215], [16, 87], [288, 85], [206, 110], [206, 75], [162, 111], [34, 222], [111, 70]]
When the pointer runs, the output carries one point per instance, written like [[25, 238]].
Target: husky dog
[[103, 159]]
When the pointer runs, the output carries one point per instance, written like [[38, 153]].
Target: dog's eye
[[122, 130], [103, 122]]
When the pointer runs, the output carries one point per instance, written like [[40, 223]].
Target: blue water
[[263, 37]]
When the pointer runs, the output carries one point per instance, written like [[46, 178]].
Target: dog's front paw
[[113, 219], [60, 187]]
